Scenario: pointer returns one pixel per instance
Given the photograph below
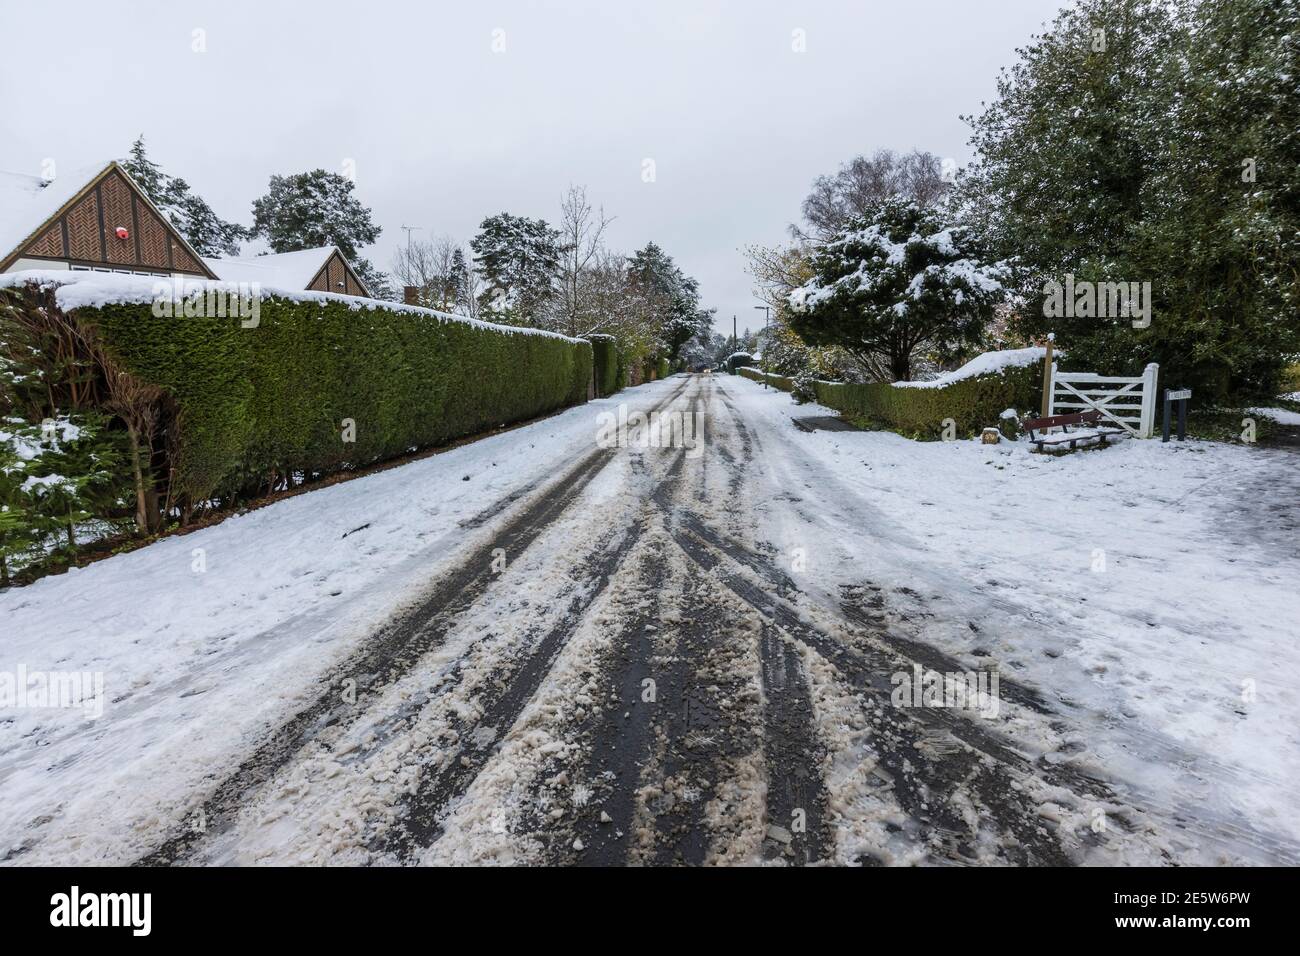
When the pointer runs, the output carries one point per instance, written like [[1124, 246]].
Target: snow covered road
[[541, 649]]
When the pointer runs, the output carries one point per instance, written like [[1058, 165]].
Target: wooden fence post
[[1047, 377], [1147, 425]]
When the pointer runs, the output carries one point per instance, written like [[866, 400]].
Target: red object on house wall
[[122, 233]]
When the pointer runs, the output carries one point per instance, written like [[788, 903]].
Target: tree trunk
[[141, 505], [900, 366]]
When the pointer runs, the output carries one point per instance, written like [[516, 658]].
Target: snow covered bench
[[1091, 432]]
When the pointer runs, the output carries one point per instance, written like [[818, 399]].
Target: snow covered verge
[[1147, 588], [202, 642], [1282, 416]]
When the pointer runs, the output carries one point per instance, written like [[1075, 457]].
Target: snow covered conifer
[[896, 283], [519, 259], [309, 210], [208, 233]]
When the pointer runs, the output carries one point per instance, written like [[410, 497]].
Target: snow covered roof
[[281, 270], [29, 202]]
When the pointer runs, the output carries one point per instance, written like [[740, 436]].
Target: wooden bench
[[1091, 431]]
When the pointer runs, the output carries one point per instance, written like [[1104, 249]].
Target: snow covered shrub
[[57, 476], [738, 360], [804, 387], [605, 356], [1011, 423]]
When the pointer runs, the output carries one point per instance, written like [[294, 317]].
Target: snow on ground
[[195, 665], [1151, 586], [1280, 415], [1146, 590]]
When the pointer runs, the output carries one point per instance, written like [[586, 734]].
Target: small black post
[[1181, 396]]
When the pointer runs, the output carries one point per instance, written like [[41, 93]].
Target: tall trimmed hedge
[[739, 360], [605, 357], [972, 403], [273, 399], [782, 382]]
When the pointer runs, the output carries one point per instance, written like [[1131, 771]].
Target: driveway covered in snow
[[767, 645]]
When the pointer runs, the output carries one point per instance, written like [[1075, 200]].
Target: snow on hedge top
[[93, 290], [282, 270], [26, 202], [989, 363]]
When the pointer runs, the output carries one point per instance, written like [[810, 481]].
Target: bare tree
[[582, 231], [863, 183], [431, 267]]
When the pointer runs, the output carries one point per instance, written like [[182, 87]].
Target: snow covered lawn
[[1153, 585]]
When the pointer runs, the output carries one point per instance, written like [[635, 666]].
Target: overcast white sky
[[444, 131]]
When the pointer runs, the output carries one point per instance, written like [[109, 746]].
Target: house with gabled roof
[[315, 270], [91, 218], [97, 218]]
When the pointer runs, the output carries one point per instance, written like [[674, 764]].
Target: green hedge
[[273, 398], [783, 382], [739, 360], [605, 356], [663, 368], [972, 403]]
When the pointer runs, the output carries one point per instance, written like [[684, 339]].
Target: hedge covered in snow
[[739, 360], [321, 383], [605, 358], [974, 396]]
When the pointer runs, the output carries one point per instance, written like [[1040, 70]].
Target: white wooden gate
[[1128, 402]]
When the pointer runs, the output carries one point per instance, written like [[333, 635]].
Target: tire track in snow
[[797, 822], [421, 817], [914, 776], [391, 654]]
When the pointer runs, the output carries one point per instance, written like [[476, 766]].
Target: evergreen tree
[[668, 298], [379, 282], [1222, 235], [459, 282], [208, 233], [309, 210], [899, 282], [519, 260], [1117, 151]]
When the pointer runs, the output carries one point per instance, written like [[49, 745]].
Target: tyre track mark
[[397, 647]]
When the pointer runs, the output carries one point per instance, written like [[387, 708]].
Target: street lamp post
[[767, 323]]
